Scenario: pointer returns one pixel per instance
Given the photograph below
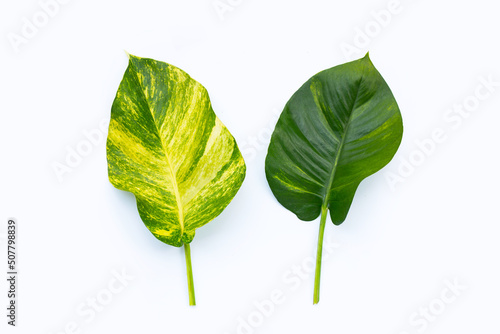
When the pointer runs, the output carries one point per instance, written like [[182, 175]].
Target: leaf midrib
[[326, 198], [173, 178]]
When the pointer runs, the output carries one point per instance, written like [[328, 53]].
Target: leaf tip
[[130, 56]]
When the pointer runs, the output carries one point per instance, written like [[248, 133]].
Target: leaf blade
[[341, 126], [166, 145]]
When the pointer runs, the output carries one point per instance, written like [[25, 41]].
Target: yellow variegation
[[167, 147]]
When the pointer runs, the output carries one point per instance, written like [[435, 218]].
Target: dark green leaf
[[341, 126]]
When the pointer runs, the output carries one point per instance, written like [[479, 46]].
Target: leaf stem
[[189, 270], [324, 211]]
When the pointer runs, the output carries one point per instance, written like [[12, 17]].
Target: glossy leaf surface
[[167, 147], [341, 126]]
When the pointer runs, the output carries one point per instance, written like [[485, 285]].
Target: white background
[[393, 254]]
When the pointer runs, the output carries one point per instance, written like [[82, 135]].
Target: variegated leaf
[[167, 147]]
